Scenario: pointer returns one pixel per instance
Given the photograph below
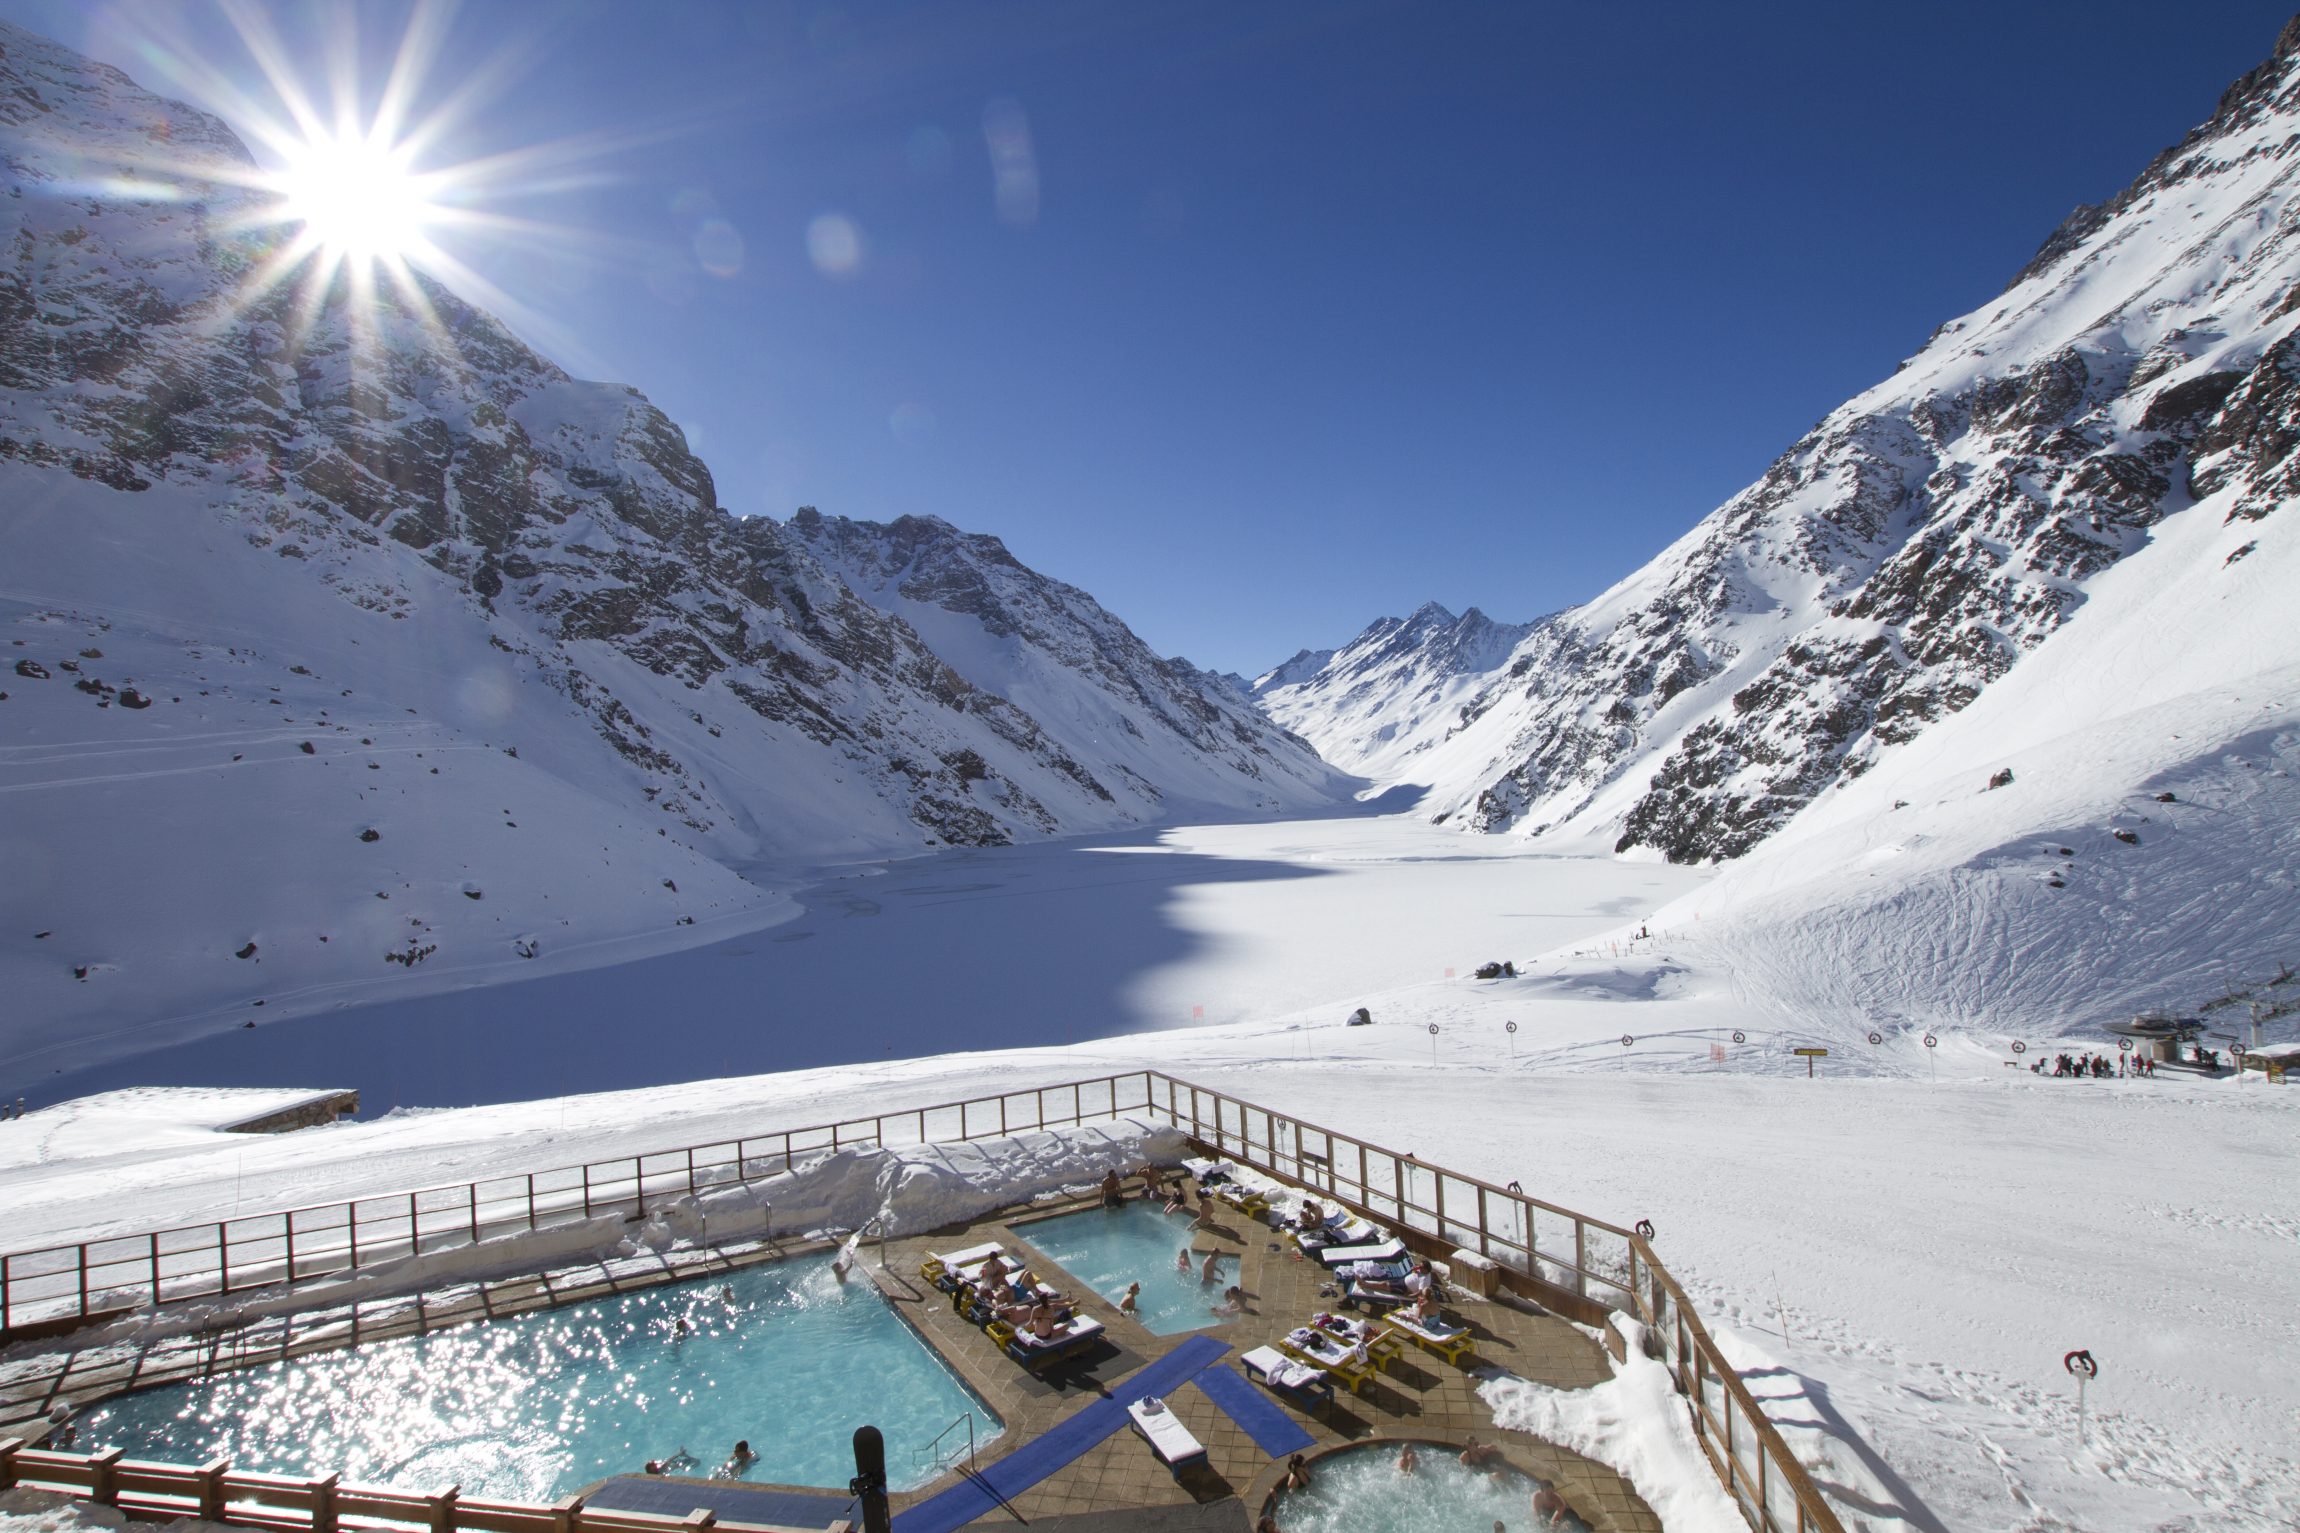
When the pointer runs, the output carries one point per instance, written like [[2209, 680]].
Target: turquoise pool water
[[533, 1407], [1360, 1490], [1107, 1248]]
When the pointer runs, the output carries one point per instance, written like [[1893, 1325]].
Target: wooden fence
[[1580, 1266], [219, 1493]]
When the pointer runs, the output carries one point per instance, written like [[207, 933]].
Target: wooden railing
[[1580, 1266], [217, 1492], [63, 1287], [1574, 1264]]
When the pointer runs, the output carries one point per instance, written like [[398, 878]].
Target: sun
[[357, 199]]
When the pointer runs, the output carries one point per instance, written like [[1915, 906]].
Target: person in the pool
[[1182, 1261], [1477, 1455], [1408, 1460], [738, 1461], [1233, 1302], [1549, 1507], [1210, 1272], [1112, 1193], [1297, 1473], [1129, 1305]]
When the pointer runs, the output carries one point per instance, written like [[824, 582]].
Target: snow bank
[[1633, 1424]]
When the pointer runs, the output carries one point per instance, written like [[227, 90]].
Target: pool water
[[535, 1406], [1107, 1248], [1359, 1490]]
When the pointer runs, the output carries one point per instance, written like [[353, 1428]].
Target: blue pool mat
[[1273, 1431], [733, 1503], [1061, 1445]]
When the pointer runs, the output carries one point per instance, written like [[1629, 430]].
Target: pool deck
[[1421, 1397], [1115, 1482]]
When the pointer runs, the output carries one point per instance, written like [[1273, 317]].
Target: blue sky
[[1259, 321]]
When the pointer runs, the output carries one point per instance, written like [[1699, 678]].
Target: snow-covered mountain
[[346, 629], [1158, 732], [1936, 533], [1377, 703]]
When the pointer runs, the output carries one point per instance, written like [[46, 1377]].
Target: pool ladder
[[944, 1458]]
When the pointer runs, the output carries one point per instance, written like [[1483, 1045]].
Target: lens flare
[[357, 199]]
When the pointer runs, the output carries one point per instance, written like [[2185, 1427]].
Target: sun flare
[[356, 199]]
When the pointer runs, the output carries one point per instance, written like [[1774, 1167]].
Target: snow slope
[[2135, 389], [416, 661]]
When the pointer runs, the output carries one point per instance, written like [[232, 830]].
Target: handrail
[[933, 1449], [1608, 1267]]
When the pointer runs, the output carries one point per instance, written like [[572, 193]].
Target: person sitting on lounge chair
[[994, 1267], [1048, 1320], [1312, 1217]]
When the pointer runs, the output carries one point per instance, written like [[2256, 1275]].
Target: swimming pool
[[532, 1407], [1107, 1248], [1360, 1490]]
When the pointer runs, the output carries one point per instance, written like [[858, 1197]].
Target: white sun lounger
[[1277, 1371], [1378, 1251], [1164, 1432], [967, 1257]]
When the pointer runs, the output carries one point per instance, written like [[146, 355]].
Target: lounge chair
[[1451, 1342], [1385, 1249], [1301, 1384], [1031, 1352], [1164, 1432], [1335, 1356], [1381, 1346], [941, 1268]]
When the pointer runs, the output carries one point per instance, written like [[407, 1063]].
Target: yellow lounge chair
[[1456, 1345]]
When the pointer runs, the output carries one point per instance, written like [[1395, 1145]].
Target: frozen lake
[[1005, 948]]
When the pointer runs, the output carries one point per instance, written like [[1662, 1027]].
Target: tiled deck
[[1421, 1397]]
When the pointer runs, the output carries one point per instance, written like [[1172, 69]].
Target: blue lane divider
[[1273, 1431], [1060, 1445]]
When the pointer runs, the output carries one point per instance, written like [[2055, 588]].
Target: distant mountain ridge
[[1390, 694]]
